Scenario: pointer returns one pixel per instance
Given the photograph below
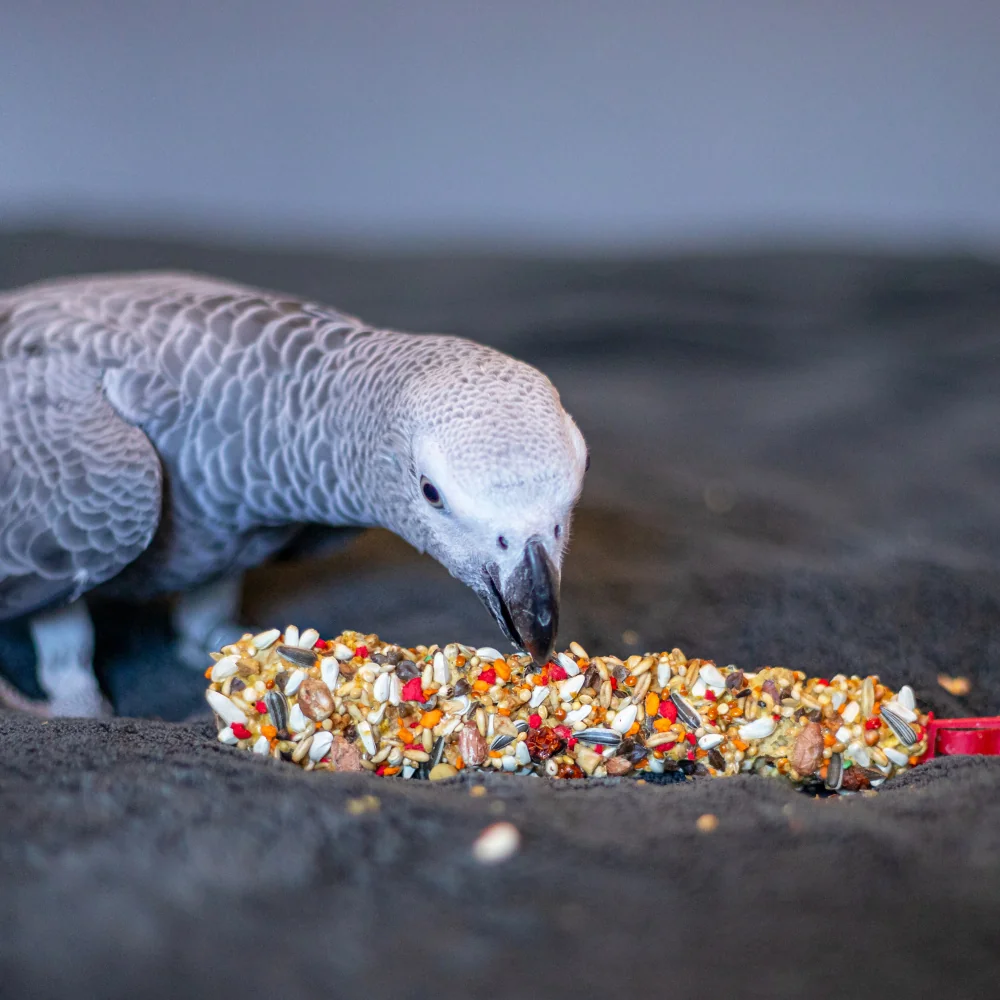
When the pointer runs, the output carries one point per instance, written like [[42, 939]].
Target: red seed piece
[[572, 742], [240, 731], [320, 644], [412, 690], [535, 721], [690, 755], [361, 651], [489, 675], [710, 696], [556, 672], [563, 732], [822, 682], [668, 710], [261, 708], [691, 738]]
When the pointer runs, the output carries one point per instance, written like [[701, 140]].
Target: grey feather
[[158, 430]]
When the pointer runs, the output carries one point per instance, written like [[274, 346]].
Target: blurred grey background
[[563, 123]]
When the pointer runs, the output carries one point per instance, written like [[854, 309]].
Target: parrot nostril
[[502, 542], [558, 530]]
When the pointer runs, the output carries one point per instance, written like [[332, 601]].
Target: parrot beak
[[528, 607]]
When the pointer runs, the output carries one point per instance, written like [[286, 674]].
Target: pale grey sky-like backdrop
[[616, 124]]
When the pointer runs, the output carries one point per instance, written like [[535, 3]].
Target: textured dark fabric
[[796, 461]]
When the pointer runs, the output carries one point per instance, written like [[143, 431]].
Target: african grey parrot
[[164, 432]]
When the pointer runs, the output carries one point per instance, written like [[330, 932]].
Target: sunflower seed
[[300, 657], [906, 697], [904, 732], [365, 732], [897, 757], [224, 708], [227, 736], [539, 695], [308, 639], [264, 640], [503, 740], [320, 747], [291, 635], [835, 772], [568, 664], [578, 714], [383, 685], [759, 729], [906, 714], [329, 671], [569, 688], [440, 668], [295, 679], [712, 676], [277, 708], [622, 722], [224, 668], [342, 652], [686, 711], [297, 722], [600, 736]]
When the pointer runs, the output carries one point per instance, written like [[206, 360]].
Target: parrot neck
[[319, 452]]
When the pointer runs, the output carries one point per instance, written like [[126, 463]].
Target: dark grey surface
[[795, 461]]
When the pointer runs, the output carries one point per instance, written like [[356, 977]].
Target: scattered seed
[[498, 842]]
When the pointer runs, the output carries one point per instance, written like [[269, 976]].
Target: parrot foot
[[64, 650], [206, 619]]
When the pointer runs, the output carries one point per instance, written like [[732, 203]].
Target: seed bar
[[357, 703]]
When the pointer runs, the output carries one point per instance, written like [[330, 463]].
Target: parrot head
[[494, 468]]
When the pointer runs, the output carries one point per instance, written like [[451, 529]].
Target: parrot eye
[[430, 492]]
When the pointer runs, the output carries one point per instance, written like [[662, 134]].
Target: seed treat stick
[[358, 703]]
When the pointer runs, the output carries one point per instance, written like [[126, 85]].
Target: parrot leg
[[206, 618], [64, 648]]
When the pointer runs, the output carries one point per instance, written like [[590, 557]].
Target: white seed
[[496, 843], [224, 708], [296, 720], [758, 729], [843, 735], [710, 741], [568, 664], [224, 668], [383, 684], [898, 758], [570, 688], [488, 654], [538, 696], [663, 672], [509, 764], [365, 732], [329, 671], [657, 766], [228, 737], [578, 714], [906, 698], [521, 754], [264, 640], [712, 676], [395, 690], [342, 652], [578, 651], [294, 682], [851, 712], [308, 638], [320, 747], [699, 688], [622, 722], [858, 752], [440, 668], [902, 711], [262, 746], [837, 699], [376, 715], [291, 635]]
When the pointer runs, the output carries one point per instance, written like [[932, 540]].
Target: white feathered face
[[493, 484]]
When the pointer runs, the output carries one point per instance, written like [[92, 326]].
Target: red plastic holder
[[946, 737]]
